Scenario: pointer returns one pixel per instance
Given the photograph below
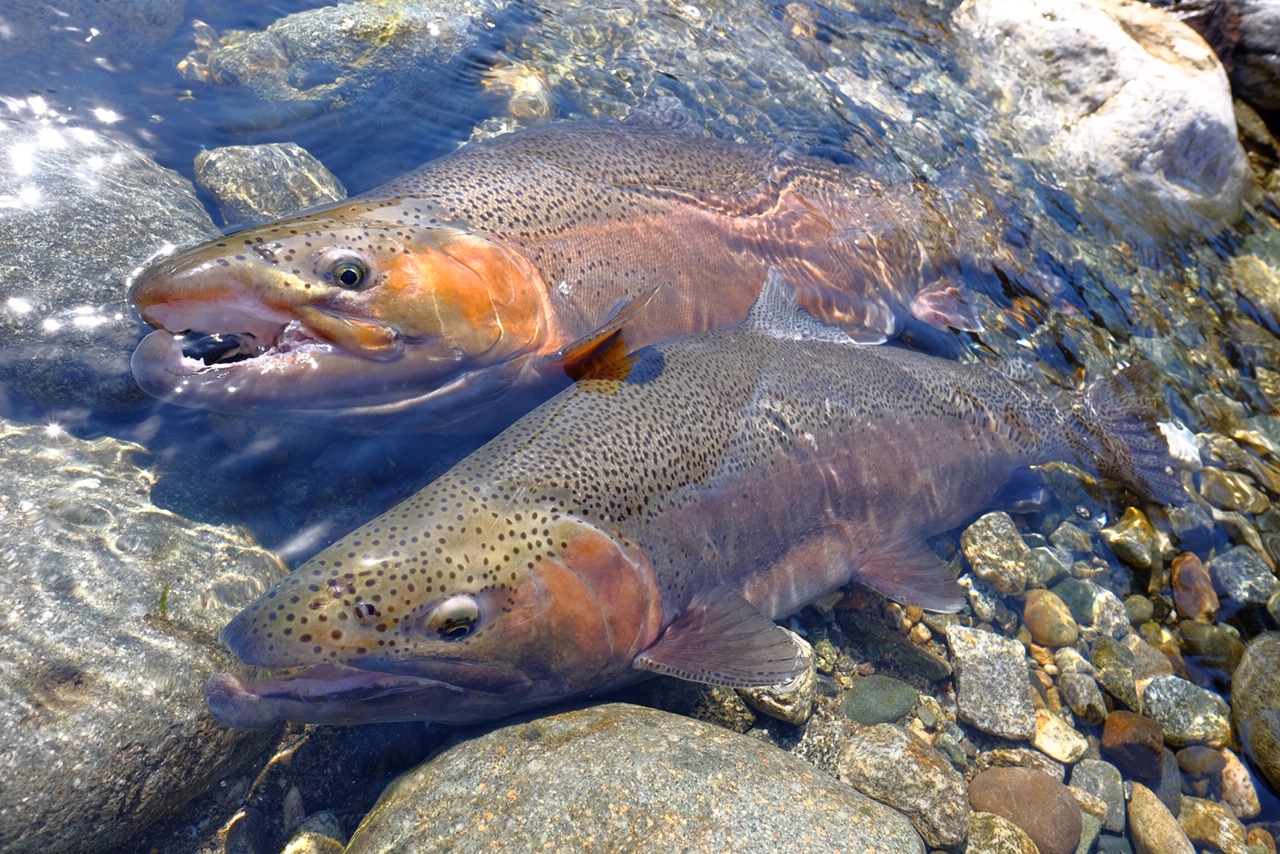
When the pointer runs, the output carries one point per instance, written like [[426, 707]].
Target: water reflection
[[1070, 280]]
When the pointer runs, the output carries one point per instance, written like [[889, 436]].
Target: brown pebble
[[1049, 619], [1193, 589], [1134, 744], [1040, 805], [1261, 836], [1202, 769]]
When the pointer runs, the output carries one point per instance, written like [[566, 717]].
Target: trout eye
[[454, 619], [349, 274]]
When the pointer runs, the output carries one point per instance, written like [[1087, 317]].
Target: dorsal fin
[[777, 314]]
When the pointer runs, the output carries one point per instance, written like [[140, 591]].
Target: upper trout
[[658, 515], [486, 273]]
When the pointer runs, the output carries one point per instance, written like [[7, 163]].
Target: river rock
[[1256, 75], [255, 183], [1113, 663], [395, 71], [1134, 540], [109, 631], [792, 701], [81, 211], [1103, 780], [1243, 576], [1057, 739], [1187, 713], [1035, 802], [1238, 792], [1255, 699], [1210, 824], [1153, 827], [1049, 619], [993, 834], [1122, 96], [997, 552], [1135, 743], [901, 770], [618, 777], [1193, 592], [992, 689], [878, 699], [1081, 694]]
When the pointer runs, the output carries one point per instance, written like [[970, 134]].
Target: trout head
[[356, 316], [451, 615]]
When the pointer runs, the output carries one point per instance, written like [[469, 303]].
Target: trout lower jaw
[[337, 694]]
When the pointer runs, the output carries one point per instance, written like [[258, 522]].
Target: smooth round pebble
[[1044, 808]]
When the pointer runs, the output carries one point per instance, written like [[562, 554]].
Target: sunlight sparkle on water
[[19, 305], [106, 115]]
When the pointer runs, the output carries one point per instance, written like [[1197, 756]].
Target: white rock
[[1125, 103]]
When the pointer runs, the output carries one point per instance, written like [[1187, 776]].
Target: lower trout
[[455, 296], [658, 515]]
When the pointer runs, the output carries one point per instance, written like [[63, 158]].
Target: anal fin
[[912, 574], [721, 639]]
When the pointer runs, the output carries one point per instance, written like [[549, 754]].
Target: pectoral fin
[[944, 305], [721, 639], [911, 574], [578, 355]]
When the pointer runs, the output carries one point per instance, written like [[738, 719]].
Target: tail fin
[[1114, 430]]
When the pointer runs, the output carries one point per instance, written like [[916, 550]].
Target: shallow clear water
[[1075, 288]]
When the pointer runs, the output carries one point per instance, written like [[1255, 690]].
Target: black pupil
[[457, 628], [349, 276]]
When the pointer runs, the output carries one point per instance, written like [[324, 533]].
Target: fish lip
[[326, 693]]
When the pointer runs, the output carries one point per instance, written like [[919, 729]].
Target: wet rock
[[722, 706], [1169, 787], [1138, 609], [1115, 94], [885, 762], [1113, 663], [1211, 646], [1103, 780], [997, 552], [319, 833], [1148, 663], [1090, 829], [1256, 72], [1207, 823], [1187, 713], [1134, 540], [1231, 490], [993, 834], [1057, 739], [992, 691], [255, 183], [1049, 620], [1153, 827], [1079, 596], [1020, 757], [1238, 792], [1255, 698], [1202, 770], [1243, 576], [1044, 808], [1109, 616], [394, 70], [1193, 593], [113, 608], [791, 701], [93, 208], [1192, 525], [1072, 538], [618, 777], [878, 699], [1261, 841], [1081, 694], [1134, 743]]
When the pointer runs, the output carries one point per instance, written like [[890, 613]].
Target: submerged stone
[[618, 777]]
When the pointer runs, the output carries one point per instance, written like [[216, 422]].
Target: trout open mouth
[[216, 349]]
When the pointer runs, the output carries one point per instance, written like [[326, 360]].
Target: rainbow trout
[[484, 274], [657, 516]]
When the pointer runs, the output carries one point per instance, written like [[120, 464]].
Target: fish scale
[[656, 516]]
